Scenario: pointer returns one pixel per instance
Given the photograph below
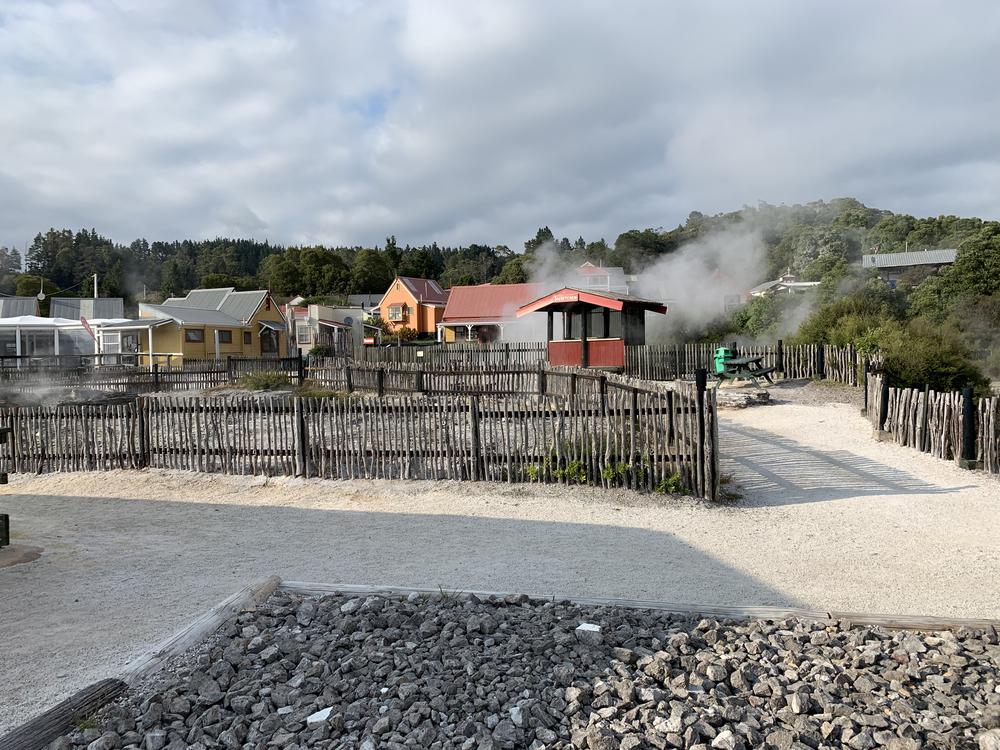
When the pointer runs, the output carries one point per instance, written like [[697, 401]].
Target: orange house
[[413, 303]]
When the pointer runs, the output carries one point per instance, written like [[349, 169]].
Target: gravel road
[[830, 519]]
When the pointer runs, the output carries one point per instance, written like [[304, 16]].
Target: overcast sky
[[466, 121]]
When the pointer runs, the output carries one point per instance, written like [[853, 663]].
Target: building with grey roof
[[892, 266], [12, 307]]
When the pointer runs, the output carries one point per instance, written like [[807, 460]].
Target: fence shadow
[[150, 566], [775, 470]]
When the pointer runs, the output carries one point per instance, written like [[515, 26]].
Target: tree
[[370, 274], [542, 237], [513, 272]]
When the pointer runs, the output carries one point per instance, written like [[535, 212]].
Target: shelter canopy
[[570, 299]]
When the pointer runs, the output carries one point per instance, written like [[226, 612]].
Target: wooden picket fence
[[624, 437], [935, 422]]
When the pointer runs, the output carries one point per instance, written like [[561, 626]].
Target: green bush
[[263, 381], [921, 353], [323, 350]]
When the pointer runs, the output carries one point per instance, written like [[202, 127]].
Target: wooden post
[[477, 453], [301, 440], [140, 405], [549, 330], [156, 376], [542, 385], [607, 322], [572, 385], [584, 330], [60, 719], [302, 369], [925, 444], [864, 409], [821, 361], [701, 385], [380, 381], [968, 458], [418, 381], [779, 357], [348, 379], [883, 407]]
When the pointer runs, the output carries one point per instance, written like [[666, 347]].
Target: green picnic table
[[745, 368]]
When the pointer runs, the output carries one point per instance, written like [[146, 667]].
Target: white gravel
[[831, 519]]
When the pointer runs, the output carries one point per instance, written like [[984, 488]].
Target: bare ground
[[830, 519]]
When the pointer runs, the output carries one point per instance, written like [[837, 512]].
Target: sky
[[477, 122]]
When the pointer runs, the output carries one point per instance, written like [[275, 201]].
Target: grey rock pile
[[458, 672]]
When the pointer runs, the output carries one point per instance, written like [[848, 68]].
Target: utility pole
[[95, 286]]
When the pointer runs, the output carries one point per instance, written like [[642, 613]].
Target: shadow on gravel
[[773, 470]]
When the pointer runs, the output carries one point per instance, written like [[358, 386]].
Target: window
[[409, 311], [194, 335], [304, 336], [225, 337], [247, 340], [395, 312]]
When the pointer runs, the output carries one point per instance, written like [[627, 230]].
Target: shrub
[[920, 354], [323, 350], [263, 381]]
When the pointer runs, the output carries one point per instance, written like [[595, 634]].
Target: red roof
[[489, 302], [425, 290], [570, 298]]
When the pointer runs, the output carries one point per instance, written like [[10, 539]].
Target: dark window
[[225, 337], [246, 338], [194, 335]]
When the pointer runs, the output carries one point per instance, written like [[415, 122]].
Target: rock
[[726, 740], [107, 741], [989, 740], [517, 716], [601, 738], [589, 634], [155, 740], [319, 718], [504, 732]]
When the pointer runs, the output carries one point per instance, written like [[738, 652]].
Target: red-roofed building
[[414, 303], [488, 312]]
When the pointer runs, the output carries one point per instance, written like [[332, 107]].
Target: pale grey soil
[[831, 519]]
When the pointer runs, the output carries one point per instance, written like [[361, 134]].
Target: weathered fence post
[[380, 381], [968, 459], [477, 453], [230, 369], [301, 369], [602, 384], [542, 385], [572, 385], [779, 357], [156, 376], [821, 361], [418, 381], [925, 442], [143, 430], [301, 441], [348, 379], [864, 408], [701, 386], [883, 404]]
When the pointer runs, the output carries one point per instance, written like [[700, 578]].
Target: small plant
[[321, 351], [533, 472], [263, 381], [615, 472], [729, 491], [672, 485], [574, 471], [85, 722]]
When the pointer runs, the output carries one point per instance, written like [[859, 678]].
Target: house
[[337, 326], [204, 324], [414, 303], [787, 283], [601, 278], [596, 326], [367, 302], [74, 308], [892, 266], [25, 337], [488, 312]]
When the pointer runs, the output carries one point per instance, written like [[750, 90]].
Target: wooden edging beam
[[38, 732], [894, 622]]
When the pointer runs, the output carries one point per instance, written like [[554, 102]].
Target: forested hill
[[818, 240]]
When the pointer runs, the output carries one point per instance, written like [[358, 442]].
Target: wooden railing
[[605, 434]]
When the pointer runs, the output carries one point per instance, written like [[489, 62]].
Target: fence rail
[[625, 436]]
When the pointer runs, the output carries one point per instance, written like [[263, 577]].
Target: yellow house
[[205, 324]]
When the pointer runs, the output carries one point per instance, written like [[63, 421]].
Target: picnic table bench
[[745, 368]]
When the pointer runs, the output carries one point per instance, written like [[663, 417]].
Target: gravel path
[[831, 519]]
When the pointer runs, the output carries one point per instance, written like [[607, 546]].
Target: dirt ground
[[829, 519]]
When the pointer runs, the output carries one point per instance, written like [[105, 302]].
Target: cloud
[[478, 122]]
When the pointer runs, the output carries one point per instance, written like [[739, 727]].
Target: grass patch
[[263, 381]]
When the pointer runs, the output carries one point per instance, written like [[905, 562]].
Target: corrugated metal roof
[[489, 302], [425, 290], [572, 296], [75, 307], [191, 315], [203, 299], [366, 301], [12, 307], [242, 305], [914, 258]]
